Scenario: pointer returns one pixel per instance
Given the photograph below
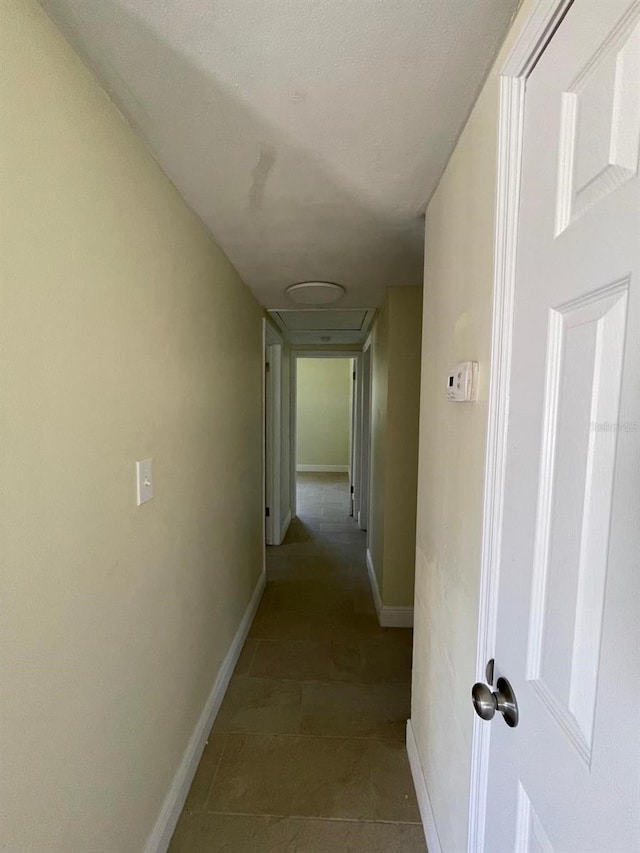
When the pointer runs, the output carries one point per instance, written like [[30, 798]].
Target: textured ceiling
[[307, 134]]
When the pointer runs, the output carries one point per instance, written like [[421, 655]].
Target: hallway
[[307, 752]]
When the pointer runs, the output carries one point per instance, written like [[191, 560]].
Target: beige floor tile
[[356, 554], [400, 636], [308, 596], [257, 775], [203, 780], [339, 836], [219, 833], [299, 531], [180, 839], [334, 778], [356, 710], [385, 662], [349, 526], [246, 656], [277, 563], [280, 625], [344, 626], [363, 602], [344, 538], [306, 661], [393, 791], [315, 547], [288, 775], [263, 706], [313, 567]]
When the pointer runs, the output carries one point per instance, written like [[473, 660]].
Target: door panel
[[530, 834], [567, 779], [585, 341], [600, 125]]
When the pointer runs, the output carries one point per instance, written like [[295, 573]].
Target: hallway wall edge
[[388, 617]]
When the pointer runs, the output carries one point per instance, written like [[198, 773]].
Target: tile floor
[[307, 752]]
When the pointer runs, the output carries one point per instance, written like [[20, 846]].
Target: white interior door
[[567, 778]]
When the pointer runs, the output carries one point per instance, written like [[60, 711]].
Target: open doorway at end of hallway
[[307, 753], [324, 395]]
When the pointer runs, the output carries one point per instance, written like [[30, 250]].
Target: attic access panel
[[330, 320]]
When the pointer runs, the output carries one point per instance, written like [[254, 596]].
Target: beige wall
[[458, 289], [395, 394], [125, 334], [403, 414], [323, 416]]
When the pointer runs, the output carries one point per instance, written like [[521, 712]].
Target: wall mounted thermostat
[[462, 382]]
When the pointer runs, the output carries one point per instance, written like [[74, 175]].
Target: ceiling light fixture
[[315, 292]]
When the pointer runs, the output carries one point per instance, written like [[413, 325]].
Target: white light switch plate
[[144, 481]]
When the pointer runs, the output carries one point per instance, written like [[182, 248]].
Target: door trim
[[365, 437], [536, 31], [273, 435], [297, 353]]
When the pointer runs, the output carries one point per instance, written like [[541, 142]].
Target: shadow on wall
[[177, 93]]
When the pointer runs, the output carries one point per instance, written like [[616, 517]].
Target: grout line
[[306, 736], [370, 780], [395, 684], [369, 820], [253, 656], [304, 682], [215, 772]]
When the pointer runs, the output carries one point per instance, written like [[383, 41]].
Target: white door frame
[[357, 436], [273, 434], [354, 438], [295, 355], [536, 31], [365, 436]]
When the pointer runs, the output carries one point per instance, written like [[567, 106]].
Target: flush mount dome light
[[315, 292]]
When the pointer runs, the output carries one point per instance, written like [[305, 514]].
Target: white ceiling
[[307, 134]]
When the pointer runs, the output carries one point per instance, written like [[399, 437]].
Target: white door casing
[[565, 529], [355, 451], [357, 435], [365, 433], [354, 421], [273, 433]]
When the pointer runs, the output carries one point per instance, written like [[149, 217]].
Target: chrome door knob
[[486, 702]]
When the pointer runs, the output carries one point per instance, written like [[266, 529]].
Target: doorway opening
[[324, 437]]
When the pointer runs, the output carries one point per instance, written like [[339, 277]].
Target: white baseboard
[[388, 617], [396, 617], [160, 837], [422, 794], [285, 526], [341, 469]]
